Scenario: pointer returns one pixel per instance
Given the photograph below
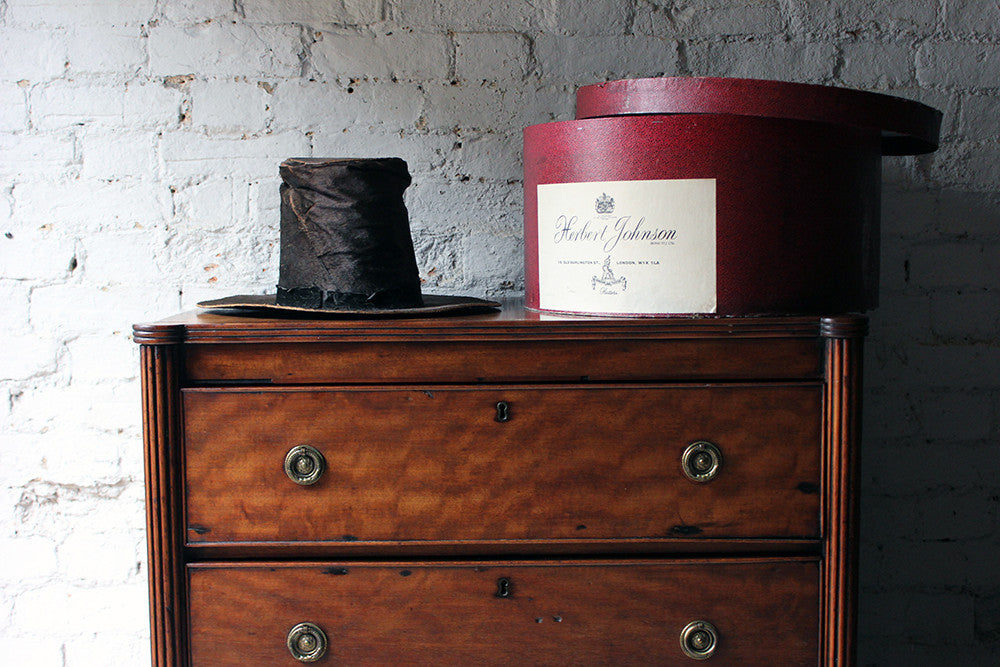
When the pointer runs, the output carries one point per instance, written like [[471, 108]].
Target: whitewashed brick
[[13, 108], [593, 17], [223, 48], [328, 108], [313, 13], [23, 357], [23, 651], [491, 258], [32, 55], [972, 17], [493, 157], [980, 115], [220, 261], [876, 65], [193, 155], [122, 49], [27, 558], [384, 53], [110, 355], [151, 105], [110, 155], [126, 257], [708, 18], [100, 559], [424, 153], [577, 61], [228, 106], [114, 609], [91, 205], [500, 14], [66, 102], [32, 156], [63, 13], [33, 254], [71, 308], [491, 56], [196, 11], [774, 59], [471, 107], [962, 64], [115, 648], [207, 205], [968, 214], [14, 297]]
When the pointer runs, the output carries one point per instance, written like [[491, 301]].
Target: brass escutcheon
[[701, 461], [699, 640], [304, 465]]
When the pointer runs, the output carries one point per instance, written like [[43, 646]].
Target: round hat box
[[727, 197]]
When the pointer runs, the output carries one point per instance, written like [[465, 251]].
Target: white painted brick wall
[[139, 144]]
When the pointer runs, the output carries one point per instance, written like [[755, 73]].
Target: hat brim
[[433, 304]]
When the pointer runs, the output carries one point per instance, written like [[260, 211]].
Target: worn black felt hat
[[346, 244]]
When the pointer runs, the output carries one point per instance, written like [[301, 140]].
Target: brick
[[968, 317], [493, 259], [92, 12], [968, 214], [22, 650], [107, 356], [30, 156], [973, 17], [26, 557], [197, 11], [932, 619], [382, 54], [776, 59], [877, 65], [350, 12], [978, 120], [893, 16], [961, 64], [32, 254], [100, 559], [122, 49], [315, 106], [571, 60], [207, 205], [66, 102], [593, 17], [956, 264], [13, 108], [497, 15], [493, 157], [115, 648], [220, 261], [684, 20], [151, 105], [907, 213], [236, 107], [14, 297], [222, 48], [957, 516], [79, 309], [117, 154], [23, 357], [91, 206], [193, 155], [123, 257], [491, 56], [32, 55], [105, 609]]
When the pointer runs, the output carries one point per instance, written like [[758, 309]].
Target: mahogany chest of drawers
[[501, 488]]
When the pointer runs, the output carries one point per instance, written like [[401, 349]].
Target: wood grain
[[558, 613], [571, 463]]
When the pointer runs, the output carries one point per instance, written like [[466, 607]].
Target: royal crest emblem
[[605, 204]]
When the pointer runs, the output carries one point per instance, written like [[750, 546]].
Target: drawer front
[[448, 465], [556, 613]]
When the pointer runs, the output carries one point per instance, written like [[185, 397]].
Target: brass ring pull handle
[[701, 461], [304, 465], [699, 640], [307, 642]]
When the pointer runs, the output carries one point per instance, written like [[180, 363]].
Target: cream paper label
[[640, 247]]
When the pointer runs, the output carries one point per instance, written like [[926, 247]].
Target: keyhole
[[503, 411], [503, 587]]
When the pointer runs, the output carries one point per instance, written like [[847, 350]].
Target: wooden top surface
[[512, 321]]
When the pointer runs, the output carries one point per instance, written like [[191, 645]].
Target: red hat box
[[726, 197]]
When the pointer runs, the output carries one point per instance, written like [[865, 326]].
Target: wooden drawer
[[434, 465], [556, 613]]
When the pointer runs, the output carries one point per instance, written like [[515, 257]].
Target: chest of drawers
[[501, 488]]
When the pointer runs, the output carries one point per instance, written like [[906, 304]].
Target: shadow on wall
[[930, 529]]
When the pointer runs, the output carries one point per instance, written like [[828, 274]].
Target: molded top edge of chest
[[510, 345]]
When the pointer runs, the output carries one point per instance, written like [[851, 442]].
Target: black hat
[[346, 244]]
